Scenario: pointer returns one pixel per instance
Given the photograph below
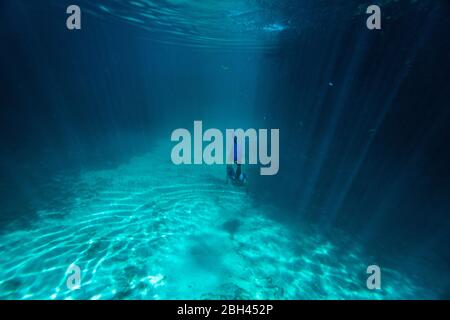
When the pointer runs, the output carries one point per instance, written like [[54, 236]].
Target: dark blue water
[[86, 176]]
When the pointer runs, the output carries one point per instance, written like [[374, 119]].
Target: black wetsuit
[[235, 175]]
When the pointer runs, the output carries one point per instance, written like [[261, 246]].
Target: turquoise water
[[150, 230], [363, 119]]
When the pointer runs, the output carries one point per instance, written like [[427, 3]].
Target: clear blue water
[[180, 234], [86, 177]]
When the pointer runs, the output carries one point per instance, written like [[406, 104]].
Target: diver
[[237, 177]]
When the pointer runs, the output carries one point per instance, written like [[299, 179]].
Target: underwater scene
[[234, 149]]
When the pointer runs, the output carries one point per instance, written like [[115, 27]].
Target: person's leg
[[230, 172], [238, 172]]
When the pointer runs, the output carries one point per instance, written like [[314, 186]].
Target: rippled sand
[[152, 230]]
